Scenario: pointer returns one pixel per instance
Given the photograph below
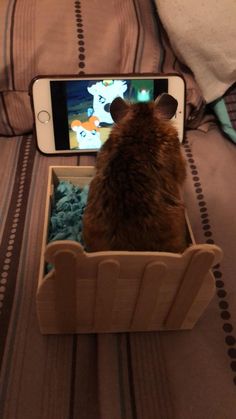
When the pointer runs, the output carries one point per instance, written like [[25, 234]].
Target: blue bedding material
[[67, 212]]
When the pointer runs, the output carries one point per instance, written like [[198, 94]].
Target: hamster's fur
[[134, 200]]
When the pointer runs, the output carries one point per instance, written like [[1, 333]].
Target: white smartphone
[[72, 114]]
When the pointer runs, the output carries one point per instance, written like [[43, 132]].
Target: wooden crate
[[119, 291]]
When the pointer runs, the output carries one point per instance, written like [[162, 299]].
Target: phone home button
[[43, 117]]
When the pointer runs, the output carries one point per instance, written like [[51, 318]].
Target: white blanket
[[203, 35]]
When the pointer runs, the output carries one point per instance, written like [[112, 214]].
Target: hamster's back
[[134, 201]]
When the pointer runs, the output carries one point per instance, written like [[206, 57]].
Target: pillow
[[33, 40], [203, 36], [66, 37]]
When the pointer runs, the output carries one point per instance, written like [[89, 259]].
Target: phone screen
[[81, 108]]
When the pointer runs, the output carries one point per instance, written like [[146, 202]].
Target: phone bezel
[[38, 99]]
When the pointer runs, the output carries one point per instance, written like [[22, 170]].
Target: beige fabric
[[203, 36]]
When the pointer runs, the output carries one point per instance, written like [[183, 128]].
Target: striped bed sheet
[[169, 375]]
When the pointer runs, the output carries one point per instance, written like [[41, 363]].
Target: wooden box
[[119, 291]]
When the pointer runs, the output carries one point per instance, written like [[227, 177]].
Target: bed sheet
[[171, 375]]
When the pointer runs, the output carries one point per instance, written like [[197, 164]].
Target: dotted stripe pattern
[[12, 235], [81, 71], [220, 286], [80, 36]]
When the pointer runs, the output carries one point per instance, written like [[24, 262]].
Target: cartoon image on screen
[[88, 107]]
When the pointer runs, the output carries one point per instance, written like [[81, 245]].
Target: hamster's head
[[164, 107], [144, 120]]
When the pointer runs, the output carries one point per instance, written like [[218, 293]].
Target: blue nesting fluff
[[67, 212]]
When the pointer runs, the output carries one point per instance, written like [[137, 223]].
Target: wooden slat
[[108, 274], [152, 281], [73, 171], [65, 290], [192, 281]]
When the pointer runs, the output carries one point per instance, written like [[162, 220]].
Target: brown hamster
[[134, 200]]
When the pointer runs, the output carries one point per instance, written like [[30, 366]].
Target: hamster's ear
[[118, 109], [166, 106]]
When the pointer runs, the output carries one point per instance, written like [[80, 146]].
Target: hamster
[[134, 200]]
